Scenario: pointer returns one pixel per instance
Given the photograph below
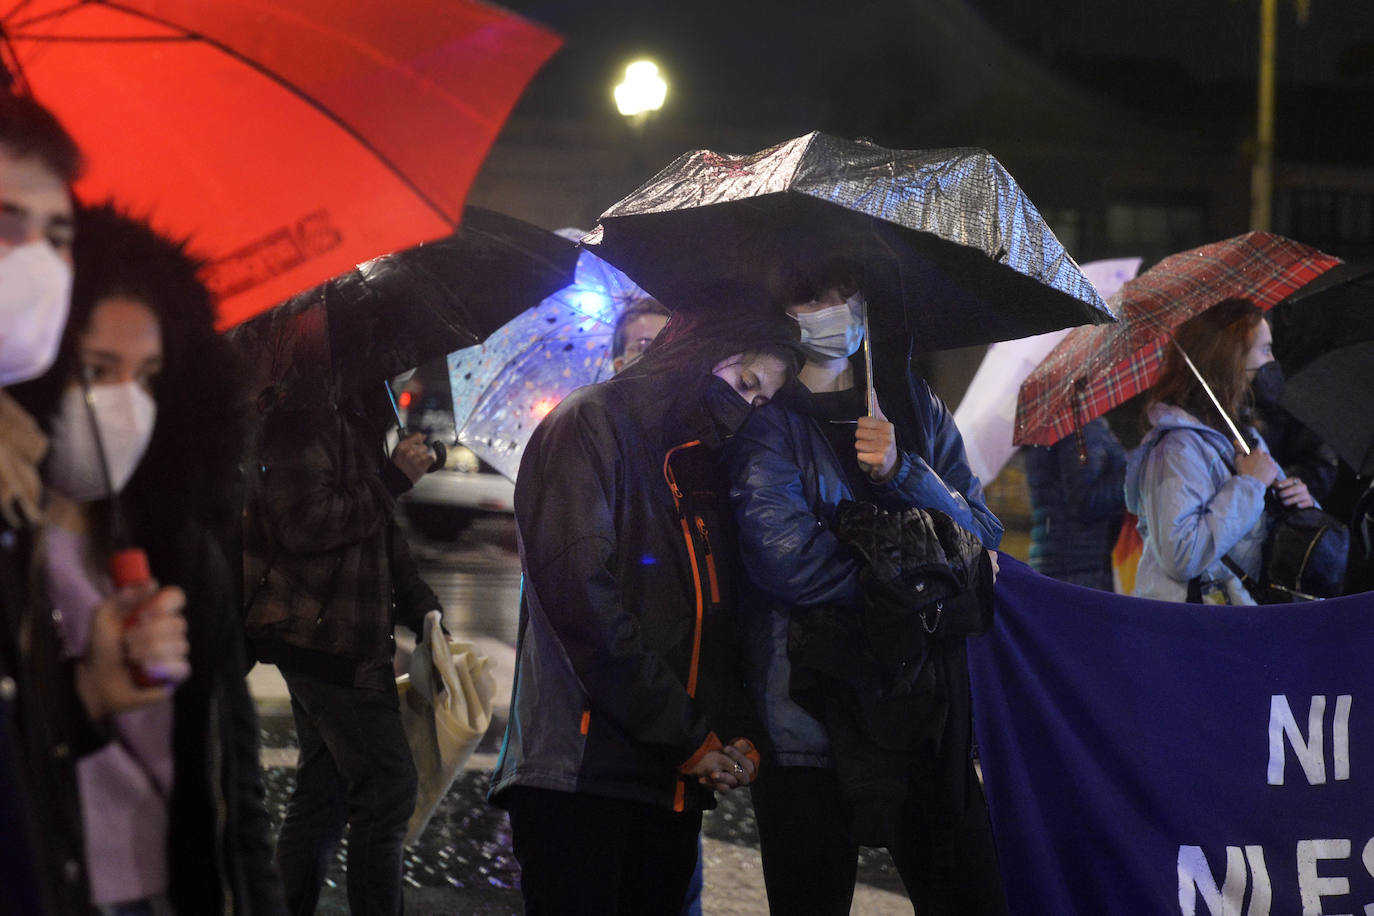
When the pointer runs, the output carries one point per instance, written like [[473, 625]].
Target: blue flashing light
[[593, 302]]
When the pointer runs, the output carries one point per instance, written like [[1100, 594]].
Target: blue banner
[[1150, 757]]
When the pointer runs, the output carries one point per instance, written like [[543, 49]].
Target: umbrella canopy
[[952, 251], [503, 388], [1094, 369], [986, 412], [1324, 340], [289, 139], [397, 311]]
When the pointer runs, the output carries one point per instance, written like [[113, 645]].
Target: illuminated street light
[[642, 92]]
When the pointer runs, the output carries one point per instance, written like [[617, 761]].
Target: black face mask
[[1267, 385], [726, 407]]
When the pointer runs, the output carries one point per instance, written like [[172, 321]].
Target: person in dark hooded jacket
[[626, 683]]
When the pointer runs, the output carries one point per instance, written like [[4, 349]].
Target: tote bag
[[445, 709]]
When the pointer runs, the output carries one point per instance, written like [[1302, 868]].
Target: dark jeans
[[584, 854], [355, 769], [810, 863]]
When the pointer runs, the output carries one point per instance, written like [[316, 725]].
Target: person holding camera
[[328, 575]]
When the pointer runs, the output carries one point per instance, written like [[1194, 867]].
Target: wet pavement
[[463, 863]]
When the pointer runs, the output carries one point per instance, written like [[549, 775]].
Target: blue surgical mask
[[834, 332]]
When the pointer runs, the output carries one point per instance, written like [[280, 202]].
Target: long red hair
[[1217, 341]]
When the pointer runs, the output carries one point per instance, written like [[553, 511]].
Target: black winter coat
[[43, 730], [219, 840]]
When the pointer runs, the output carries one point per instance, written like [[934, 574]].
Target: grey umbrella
[[952, 251]]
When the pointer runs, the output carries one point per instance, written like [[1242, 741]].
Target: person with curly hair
[[142, 408]]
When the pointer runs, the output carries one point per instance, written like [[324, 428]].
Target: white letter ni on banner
[[1309, 750], [1195, 876]]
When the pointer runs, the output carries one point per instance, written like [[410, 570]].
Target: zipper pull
[[705, 537]]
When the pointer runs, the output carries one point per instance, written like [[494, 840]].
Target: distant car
[[444, 502]]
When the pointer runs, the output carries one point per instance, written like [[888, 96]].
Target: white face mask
[[834, 332], [125, 413], [35, 293]]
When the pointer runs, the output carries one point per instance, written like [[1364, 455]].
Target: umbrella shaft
[[1226, 418], [872, 395]]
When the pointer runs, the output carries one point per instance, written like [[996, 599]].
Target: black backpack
[[1304, 556]]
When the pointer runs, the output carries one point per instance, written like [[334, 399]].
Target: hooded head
[[733, 353]]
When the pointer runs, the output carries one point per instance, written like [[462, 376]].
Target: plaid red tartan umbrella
[[1096, 367]]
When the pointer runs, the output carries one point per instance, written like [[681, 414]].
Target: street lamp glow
[[642, 91]]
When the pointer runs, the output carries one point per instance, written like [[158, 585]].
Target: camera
[[434, 445]]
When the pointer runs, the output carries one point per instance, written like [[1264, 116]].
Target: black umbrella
[[952, 251], [397, 311], [1324, 340]]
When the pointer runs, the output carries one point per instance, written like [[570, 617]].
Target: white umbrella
[[988, 409]]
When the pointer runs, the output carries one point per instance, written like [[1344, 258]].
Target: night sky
[[866, 66]]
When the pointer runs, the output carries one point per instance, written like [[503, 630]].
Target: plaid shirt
[[325, 567]]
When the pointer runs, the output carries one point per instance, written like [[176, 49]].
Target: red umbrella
[[1097, 367], [290, 139]]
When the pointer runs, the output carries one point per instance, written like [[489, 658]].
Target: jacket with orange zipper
[[626, 661]]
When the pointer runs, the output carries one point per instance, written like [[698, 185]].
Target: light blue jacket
[[1193, 508]]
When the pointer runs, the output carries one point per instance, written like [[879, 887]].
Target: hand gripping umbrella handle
[[129, 566]]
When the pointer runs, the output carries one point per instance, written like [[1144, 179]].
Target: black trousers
[[355, 770], [585, 854], [948, 862]]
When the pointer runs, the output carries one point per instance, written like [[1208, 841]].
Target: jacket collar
[[1167, 417]]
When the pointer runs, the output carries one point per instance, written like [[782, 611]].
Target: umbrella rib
[[14, 10], [289, 87], [127, 39]]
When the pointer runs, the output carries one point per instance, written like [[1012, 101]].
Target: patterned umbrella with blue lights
[[505, 386]]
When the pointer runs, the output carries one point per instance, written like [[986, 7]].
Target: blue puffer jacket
[[1193, 508], [785, 483], [1076, 505]]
